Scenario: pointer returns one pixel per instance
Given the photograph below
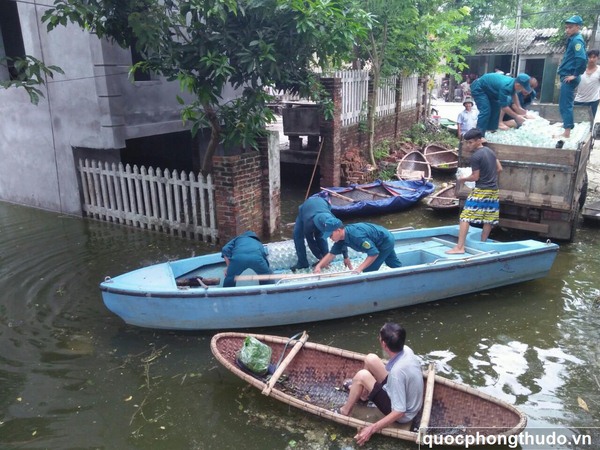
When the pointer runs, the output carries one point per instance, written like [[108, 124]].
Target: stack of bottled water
[[538, 132]]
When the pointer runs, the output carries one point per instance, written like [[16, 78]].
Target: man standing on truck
[[495, 93], [571, 67], [483, 204]]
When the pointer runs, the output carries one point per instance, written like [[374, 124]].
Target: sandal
[[347, 385]]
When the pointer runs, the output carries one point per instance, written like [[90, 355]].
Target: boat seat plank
[[470, 250]]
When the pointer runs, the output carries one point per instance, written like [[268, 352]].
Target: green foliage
[[382, 150], [419, 135], [386, 174], [29, 74]]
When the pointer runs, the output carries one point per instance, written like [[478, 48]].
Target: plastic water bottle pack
[[538, 132]]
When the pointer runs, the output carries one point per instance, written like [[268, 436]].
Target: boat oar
[[288, 359], [443, 151], [427, 403], [290, 276], [377, 194], [335, 194], [443, 198], [312, 177], [198, 281]]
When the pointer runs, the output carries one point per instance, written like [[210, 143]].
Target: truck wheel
[[575, 222], [584, 188]]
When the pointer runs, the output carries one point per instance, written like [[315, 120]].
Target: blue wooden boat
[[378, 197], [150, 297]]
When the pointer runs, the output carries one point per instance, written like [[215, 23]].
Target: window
[[11, 42], [136, 57]]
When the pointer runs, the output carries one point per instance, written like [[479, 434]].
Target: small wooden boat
[[591, 212], [450, 125], [413, 166], [161, 295], [378, 197], [444, 200], [440, 158], [310, 377]]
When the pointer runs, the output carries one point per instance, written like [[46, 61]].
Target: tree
[[409, 36], [205, 44]]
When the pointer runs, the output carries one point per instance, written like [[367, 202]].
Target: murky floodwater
[[74, 376]]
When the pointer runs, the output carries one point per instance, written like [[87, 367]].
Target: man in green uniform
[[374, 240], [306, 230], [245, 252], [571, 67]]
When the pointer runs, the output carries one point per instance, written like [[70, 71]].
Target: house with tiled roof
[[539, 54]]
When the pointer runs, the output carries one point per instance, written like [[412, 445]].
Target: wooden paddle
[[290, 276], [288, 359], [443, 151], [378, 194], [198, 282], [443, 198], [335, 194], [427, 403]]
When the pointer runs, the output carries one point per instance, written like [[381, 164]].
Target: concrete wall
[[93, 106]]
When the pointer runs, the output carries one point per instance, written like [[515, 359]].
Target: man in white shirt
[[588, 91], [467, 118]]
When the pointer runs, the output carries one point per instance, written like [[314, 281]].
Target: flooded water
[[73, 375]]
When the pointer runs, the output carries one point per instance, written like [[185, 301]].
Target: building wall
[[92, 106]]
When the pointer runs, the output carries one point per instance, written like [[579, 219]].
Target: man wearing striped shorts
[[483, 205]]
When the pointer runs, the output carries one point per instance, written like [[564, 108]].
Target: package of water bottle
[[539, 132], [463, 172]]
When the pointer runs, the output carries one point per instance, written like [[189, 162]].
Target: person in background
[[395, 387], [588, 92], [482, 205], [467, 118], [495, 93], [306, 230], [466, 88], [570, 69], [245, 251], [374, 240]]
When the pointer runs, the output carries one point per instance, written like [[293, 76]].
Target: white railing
[[355, 92], [386, 104], [410, 92], [355, 87], [157, 200]]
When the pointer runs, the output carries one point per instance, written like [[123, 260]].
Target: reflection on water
[[74, 376]]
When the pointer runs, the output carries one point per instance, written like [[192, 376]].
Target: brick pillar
[[270, 160], [238, 194], [331, 153]]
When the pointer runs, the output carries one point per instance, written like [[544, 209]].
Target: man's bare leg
[[462, 237], [362, 385], [487, 229]]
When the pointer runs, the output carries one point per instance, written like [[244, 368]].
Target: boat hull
[[150, 298]]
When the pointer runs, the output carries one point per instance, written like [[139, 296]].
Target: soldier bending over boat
[[245, 251], [374, 240]]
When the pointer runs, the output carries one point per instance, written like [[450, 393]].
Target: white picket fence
[[355, 92], [178, 203]]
